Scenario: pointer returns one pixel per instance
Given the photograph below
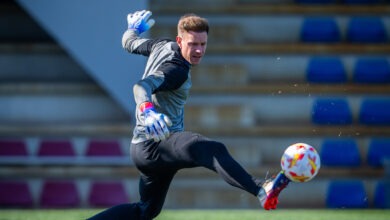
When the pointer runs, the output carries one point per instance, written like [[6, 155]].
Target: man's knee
[[204, 152], [218, 148], [207, 148], [148, 211]]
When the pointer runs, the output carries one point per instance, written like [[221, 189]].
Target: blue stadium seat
[[326, 70], [315, 30], [372, 71], [380, 196], [331, 112], [361, 1], [378, 150], [346, 194], [375, 112], [366, 30], [315, 1], [340, 152]]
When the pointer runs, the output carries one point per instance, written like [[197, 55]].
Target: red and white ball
[[300, 162]]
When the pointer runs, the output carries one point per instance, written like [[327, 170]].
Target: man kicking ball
[[160, 146]]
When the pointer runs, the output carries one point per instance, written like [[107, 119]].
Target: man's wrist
[[146, 106], [132, 29]]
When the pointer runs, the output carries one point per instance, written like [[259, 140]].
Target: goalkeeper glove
[[138, 21], [155, 123]]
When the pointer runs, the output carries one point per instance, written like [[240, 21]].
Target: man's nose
[[199, 50]]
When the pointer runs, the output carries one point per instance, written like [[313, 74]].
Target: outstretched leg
[[268, 195], [192, 150], [198, 150], [214, 155]]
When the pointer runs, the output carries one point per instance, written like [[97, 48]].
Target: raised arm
[[137, 24]]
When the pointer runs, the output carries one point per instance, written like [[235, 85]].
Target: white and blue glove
[[138, 21], [156, 124]]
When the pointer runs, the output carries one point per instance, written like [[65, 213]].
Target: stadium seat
[[15, 194], [315, 30], [361, 1], [331, 112], [380, 196], [56, 148], [366, 30], [315, 1], [326, 70], [59, 194], [378, 150], [375, 112], [340, 152], [346, 194], [104, 194], [372, 71], [104, 148], [12, 148]]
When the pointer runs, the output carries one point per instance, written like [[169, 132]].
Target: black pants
[[159, 162]]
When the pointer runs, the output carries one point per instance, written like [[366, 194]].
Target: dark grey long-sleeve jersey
[[165, 82]]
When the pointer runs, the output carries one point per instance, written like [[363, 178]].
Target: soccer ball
[[300, 162]]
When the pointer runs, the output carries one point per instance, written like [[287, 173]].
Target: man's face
[[192, 45]]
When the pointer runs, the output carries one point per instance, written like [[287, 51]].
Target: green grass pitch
[[285, 214]]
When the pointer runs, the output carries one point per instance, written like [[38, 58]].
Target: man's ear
[[179, 40]]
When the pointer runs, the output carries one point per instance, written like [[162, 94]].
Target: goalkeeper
[[160, 146]]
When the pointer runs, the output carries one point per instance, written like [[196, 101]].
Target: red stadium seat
[[59, 194], [104, 194], [15, 194], [104, 148], [56, 148], [12, 148]]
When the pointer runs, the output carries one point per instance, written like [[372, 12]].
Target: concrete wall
[[91, 32]]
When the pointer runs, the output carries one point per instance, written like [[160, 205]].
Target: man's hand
[[138, 21], [155, 123]]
